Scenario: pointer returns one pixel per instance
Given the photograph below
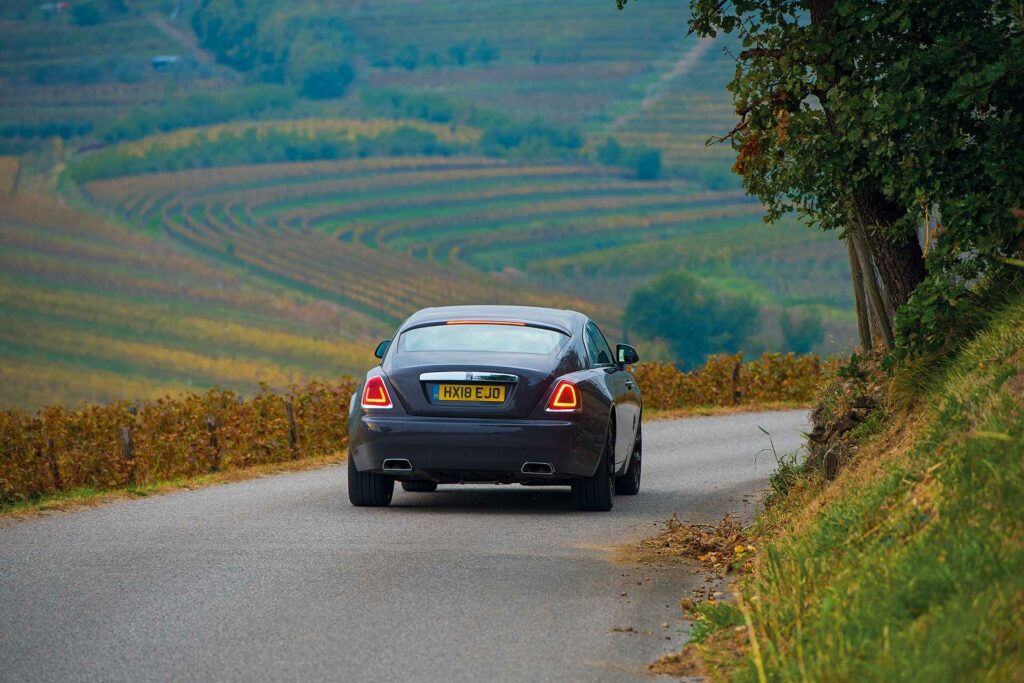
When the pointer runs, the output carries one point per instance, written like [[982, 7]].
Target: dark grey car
[[498, 394]]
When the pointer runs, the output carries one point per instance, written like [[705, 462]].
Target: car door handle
[[629, 384]]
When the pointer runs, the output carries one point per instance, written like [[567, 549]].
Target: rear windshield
[[483, 338]]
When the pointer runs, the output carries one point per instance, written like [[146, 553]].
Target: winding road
[[279, 578]]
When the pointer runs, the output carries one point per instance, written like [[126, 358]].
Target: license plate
[[484, 393]]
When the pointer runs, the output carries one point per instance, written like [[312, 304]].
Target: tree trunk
[[883, 322], [899, 261], [857, 275]]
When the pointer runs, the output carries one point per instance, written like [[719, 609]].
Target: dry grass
[[657, 414], [809, 497], [87, 498], [718, 547]]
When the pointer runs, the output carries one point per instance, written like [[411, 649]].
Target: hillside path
[[657, 90], [279, 579], [186, 39]]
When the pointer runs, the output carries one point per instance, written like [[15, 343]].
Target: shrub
[[58, 449], [693, 318], [86, 14], [726, 380], [327, 82]]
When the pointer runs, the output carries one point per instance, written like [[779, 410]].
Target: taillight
[[565, 398], [375, 394]]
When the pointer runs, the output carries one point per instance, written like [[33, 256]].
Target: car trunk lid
[[453, 385]]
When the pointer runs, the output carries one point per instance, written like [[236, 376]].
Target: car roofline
[[544, 325], [564, 320]]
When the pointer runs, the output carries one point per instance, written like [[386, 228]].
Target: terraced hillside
[[93, 311], [387, 235], [247, 217], [571, 61], [232, 196], [686, 106], [60, 77]]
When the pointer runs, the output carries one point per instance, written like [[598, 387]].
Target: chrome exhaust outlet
[[396, 465], [538, 468]]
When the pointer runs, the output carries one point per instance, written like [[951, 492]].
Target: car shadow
[[492, 499]]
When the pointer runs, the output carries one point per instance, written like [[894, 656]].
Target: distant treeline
[[258, 147], [501, 136], [506, 137], [200, 109]]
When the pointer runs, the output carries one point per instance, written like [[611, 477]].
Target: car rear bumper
[[461, 449]]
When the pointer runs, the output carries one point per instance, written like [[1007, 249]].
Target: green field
[[461, 165]]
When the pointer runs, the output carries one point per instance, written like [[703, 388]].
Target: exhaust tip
[[538, 468], [396, 465]]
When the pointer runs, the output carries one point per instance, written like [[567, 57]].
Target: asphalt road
[[280, 579]]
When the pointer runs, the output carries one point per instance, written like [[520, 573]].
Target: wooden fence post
[[211, 431], [736, 382], [128, 453], [51, 460], [292, 432]]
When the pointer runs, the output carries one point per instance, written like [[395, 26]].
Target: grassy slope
[[910, 566]]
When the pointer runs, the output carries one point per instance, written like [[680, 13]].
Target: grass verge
[[656, 414], [80, 498], [909, 565]]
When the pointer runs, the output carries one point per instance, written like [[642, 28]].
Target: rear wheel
[[597, 493], [419, 486], [629, 483], [367, 489]]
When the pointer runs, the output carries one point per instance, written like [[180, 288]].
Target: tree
[[457, 53], [408, 57], [327, 81], [86, 14], [860, 115], [646, 162], [801, 332], [485, 53], [609, 153], [695, 320]]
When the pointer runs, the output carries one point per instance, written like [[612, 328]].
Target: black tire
[[366, 489], [419, 486], [597, 493], [629, 483]]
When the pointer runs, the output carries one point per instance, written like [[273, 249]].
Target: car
[[497, 394]]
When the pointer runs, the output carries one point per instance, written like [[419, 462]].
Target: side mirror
[[382, 348], [626, 354]]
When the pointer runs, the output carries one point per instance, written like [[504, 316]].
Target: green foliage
[[250, 147], [458, 54], [533, 139], [801, 331], [842, 103], [910, 569], [609, 152], [485, 53], [326, 81], [86, 14], [710, 617], [408, 57], [695, 319], [429, 107], [200, 109], [646, 162], [279, 42], [45, 129]]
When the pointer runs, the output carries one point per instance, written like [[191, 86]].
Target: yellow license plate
[[487, 393]]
